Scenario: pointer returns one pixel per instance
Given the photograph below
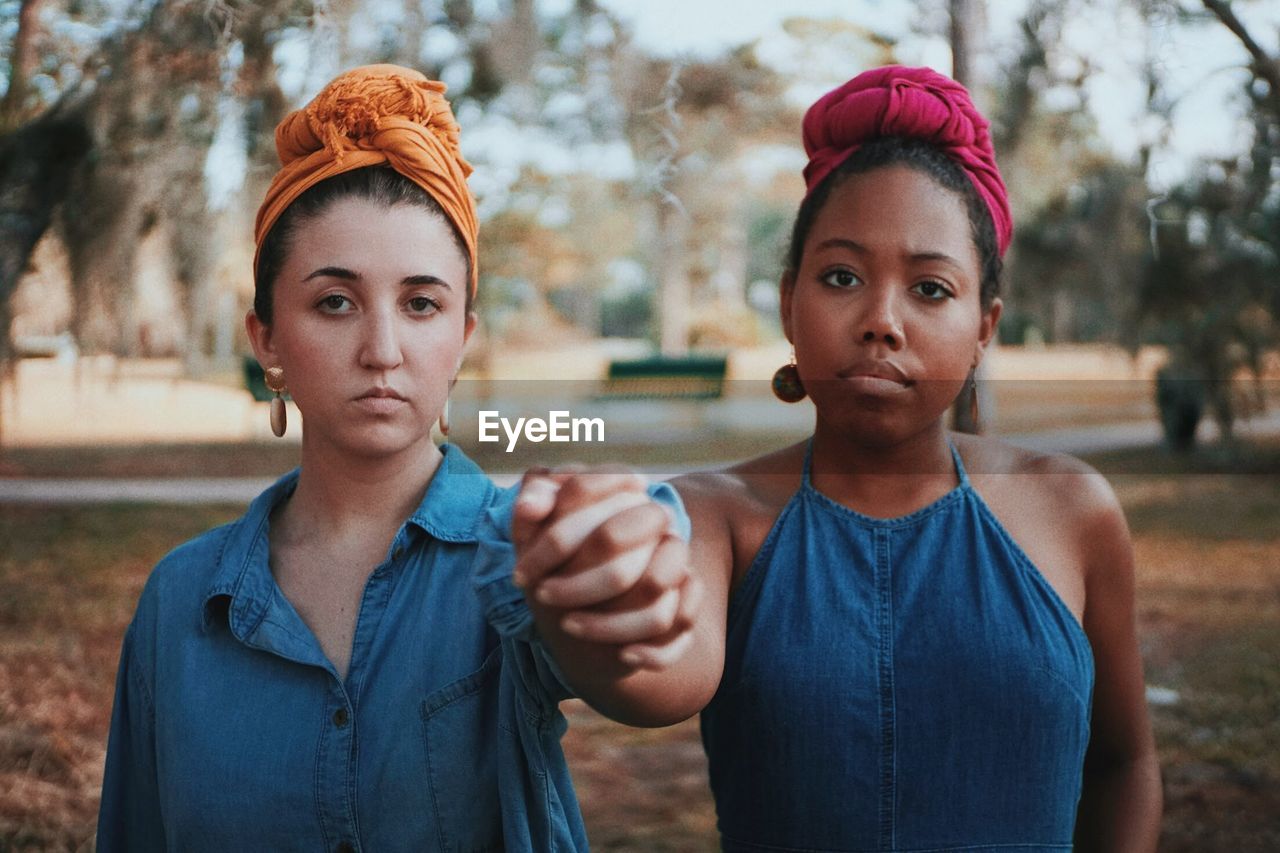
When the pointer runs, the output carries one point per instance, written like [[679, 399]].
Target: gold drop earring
[[274, 377], [787, 386]]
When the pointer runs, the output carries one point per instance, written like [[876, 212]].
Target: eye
[[335, 303], [423, 305], [841, 278], [932, 290]]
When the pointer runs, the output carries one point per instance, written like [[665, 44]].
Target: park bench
[[693, 377]]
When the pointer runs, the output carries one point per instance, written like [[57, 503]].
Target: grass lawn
[[1207, 533]]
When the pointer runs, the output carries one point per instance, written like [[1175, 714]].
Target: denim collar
[[242, 585]]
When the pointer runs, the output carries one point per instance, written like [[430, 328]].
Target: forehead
[[378, 241], [897, 210]]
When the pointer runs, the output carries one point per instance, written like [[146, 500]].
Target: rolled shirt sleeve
[[504, 602]]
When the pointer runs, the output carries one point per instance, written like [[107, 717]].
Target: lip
[[381, 401], [875, 370], [383, 392], [875, 377]]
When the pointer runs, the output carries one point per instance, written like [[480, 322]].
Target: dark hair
[[923, 157], [380, 184]]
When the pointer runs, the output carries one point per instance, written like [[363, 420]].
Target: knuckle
[[557, 543], [611, 536], [667, 610], [615, 581], [649, 587], [654, 517]]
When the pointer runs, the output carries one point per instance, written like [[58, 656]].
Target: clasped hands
[[599, 559]]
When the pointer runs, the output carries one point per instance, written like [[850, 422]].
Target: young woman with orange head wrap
[[336, 670]]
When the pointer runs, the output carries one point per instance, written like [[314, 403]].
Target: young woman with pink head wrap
[[930, 636], [926, 640]]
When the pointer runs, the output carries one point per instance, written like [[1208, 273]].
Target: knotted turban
[[918, 103], [366, 117]]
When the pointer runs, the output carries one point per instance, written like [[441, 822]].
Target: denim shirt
[[232, 730]]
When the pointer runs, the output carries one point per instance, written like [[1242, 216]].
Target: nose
[[380, 348], [882, 322]]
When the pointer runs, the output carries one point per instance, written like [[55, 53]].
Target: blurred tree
[[140, 84], [1027, 136], [1081, 253], [691, 126], [38, 153], [1211, 292], [1209, 295], [966, 35]]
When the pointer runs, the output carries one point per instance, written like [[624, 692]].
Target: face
[[369, 324], [884, 311]]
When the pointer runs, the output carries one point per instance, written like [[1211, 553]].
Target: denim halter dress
[[904, 684]]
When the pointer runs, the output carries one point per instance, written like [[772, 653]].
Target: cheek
[[816, 328], [313, 352]]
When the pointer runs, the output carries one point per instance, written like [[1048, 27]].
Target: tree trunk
[[13, 109], [36, 165], [967, 30], [673, 283]]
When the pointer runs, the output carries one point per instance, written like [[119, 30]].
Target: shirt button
[[340, 719]]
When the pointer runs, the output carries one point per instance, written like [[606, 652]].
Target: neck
[[885, 480], [340, 494]]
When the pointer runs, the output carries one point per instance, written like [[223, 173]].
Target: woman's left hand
[[599, 557]]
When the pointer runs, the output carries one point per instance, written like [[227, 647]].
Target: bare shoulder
[[759, 485], [1071, 487], [734, 508], [1061, 511]]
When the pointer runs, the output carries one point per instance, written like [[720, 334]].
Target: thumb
[[534, 504]]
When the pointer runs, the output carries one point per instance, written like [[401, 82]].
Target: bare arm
[[1120, 806], [636, 632]]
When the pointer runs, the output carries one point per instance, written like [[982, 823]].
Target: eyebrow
[[407, 281], [842, 243]]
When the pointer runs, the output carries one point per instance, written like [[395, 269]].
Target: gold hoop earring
[[787, 386], [274, 377]]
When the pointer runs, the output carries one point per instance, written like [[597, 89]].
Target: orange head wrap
[[368, 116]]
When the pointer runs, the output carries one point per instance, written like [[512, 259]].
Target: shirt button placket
[[335, 774]]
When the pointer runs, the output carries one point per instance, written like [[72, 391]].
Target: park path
[[240, 490]]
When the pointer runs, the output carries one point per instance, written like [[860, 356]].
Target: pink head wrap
[[918, 103]]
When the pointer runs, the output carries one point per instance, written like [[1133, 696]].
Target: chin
[[374, 440], [874, 424]]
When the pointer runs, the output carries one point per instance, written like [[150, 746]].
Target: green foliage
[[1211, 289], [629, 315], [1078, 256]]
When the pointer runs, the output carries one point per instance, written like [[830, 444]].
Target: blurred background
[[637, 173]]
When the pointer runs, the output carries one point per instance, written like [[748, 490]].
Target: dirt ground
[[1207, 534]]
